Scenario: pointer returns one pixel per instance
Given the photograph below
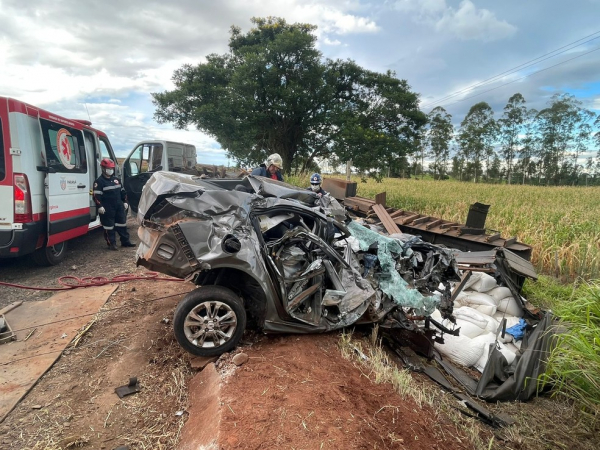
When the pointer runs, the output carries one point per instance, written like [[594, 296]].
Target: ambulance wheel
[[209, 321], [50, 256]]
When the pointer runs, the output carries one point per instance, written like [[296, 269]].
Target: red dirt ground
[[297, 392]]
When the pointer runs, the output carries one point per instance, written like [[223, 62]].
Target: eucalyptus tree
[[557, 126], [529, 150], [274, 92], [440, 133], [477, 133], [510, 125]]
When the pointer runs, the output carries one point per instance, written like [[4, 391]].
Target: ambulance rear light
[[22, 199]]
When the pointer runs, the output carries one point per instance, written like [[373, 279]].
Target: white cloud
[[328, 41], [423, 7], [468, 22]]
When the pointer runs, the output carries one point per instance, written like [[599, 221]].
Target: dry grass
[[542, 424], [560, 223]]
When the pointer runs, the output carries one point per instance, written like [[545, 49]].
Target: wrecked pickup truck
[[282, 259]]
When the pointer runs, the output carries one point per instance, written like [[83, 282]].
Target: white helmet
[[274, 160]]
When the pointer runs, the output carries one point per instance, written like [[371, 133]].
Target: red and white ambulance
[[48, 165]]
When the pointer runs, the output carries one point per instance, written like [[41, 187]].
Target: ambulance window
[[2, 162], [104, 149], [64, 147]]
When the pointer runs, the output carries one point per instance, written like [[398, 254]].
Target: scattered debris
[[132, 388], [30, 334], [37, 407], [200, 362], [239, 359]]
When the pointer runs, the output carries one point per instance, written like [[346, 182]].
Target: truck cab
[[148, 157]]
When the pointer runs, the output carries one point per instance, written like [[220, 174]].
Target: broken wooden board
[[42, 335], [386, 220], [339, 189]]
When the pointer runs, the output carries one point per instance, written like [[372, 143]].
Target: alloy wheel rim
[[210, 324]]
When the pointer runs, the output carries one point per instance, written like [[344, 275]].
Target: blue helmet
[[315, 178]]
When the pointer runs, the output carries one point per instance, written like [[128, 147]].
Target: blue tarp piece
[[518, 331], [390, 282]]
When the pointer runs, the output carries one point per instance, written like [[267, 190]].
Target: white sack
[[474, 278], [436, 315], [513, 348], [510, 320], [499, 293], [477, 300], [508, 353], [467, 328], [460, 349], [472, 315], [485, 340], [485, 283], [506, 339], [510, 306]]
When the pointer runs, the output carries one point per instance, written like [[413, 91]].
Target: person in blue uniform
[[315, 184], [111, 200]]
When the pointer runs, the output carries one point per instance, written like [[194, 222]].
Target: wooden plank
[[435, 223], [358, 204], [406, 220], [26, 361], [380, 198], [421, 220], [386, 220], [10, 307], [397, 213], [449, 225], [493, 237]]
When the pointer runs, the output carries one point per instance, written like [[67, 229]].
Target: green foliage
[[553, 146], [439, 134], [574, 364], [477, 133], [273, 92], [511, 122]]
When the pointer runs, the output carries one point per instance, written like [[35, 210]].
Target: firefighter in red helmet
[[111, 200]]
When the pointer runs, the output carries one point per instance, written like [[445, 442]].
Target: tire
[[50, 256], [209, 321]]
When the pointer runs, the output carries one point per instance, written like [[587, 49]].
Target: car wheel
[[209, 321], [50, 256]]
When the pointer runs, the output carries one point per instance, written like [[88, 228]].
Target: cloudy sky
[[105, 58]]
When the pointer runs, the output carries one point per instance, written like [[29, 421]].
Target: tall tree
[[510, 126], [477, 134], [273, 92], [557, 126], [439, 135]]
